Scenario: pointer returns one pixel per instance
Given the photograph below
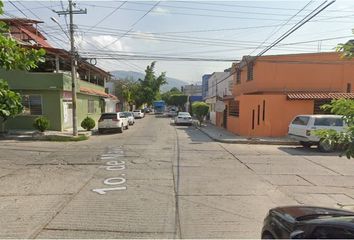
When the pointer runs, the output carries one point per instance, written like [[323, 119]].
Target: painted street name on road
[[113, 163]]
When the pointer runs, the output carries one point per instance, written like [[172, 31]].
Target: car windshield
[[108, 116], [174, 119]]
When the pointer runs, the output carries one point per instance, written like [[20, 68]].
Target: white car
[[113, 121], [183, 118], [138, 114], [130, 116], [302, 127]]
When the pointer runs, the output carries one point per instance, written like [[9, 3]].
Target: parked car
[[183, 118], [302, 127], [113, 121], [138, 113], [130, 116], [172, 112], [304, 222]]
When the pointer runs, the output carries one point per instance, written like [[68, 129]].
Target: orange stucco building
[[269, 91]]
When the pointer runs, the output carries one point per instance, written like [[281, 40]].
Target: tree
[[10, 103], [200, 110], [150, 86], [178, 100], [13, 56], [344, 107], [345, 140]]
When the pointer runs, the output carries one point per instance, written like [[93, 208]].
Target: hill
[[171, 82]]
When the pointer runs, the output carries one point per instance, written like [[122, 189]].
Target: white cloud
[[160, 11]]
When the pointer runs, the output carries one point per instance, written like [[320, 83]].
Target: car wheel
[[306, 144], [325, 146], [120, 130], [127, 127]]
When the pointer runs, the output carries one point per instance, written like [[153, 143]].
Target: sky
[[218, 31]]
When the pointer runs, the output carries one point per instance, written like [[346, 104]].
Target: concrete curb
[[247, 141]]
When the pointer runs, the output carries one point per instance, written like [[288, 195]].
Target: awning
[[97, 93], [314, 95]]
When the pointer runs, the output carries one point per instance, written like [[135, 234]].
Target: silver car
[[130, 116]]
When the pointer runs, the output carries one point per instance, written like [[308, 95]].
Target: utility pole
[[71, 12]]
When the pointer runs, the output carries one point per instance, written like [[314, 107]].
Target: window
[[258, 114], [238, 76], [91, 106], [122, 115], [327, 232], [32, 104], [349, 87], [334, 122], [108, 116], [301, 120], [253, 119], [318, 104], [250, 71], [263, 113], [234, 108]]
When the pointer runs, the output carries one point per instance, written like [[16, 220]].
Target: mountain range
[[171, 82]]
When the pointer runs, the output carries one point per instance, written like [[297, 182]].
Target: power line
[[311, 15], [107, 16], [280, 27]]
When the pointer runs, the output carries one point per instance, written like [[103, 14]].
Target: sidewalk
[[221, 135], [36, 135]]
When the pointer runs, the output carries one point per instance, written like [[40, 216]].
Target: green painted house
[[46, 91]]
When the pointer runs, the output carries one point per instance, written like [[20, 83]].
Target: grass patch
[[55, 138]]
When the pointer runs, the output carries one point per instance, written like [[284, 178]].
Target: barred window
[[91, 106], [234, 108], [238, 76], [250, 71], [32, 104]]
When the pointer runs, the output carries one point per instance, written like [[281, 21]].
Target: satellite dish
[[93, 61]]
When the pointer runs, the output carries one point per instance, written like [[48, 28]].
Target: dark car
[[306, 222]]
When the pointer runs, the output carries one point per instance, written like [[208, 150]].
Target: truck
[[159, 106]]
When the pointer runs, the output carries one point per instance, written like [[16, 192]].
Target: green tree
[[13, 56], [10, 103], [150, 85], [345, 139], [200, 110], [342, 107], [178, 100]]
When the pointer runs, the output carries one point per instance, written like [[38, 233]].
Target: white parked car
[[138, 113], [130, 116], [113, 121], [302, 127], [183, 118]]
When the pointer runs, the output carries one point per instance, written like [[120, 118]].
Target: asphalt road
[[157, 180]]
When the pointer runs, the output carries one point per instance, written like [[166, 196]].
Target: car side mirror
[[297, 234]]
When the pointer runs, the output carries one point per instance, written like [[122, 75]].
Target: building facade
[[46, 90], [269, 91], [219, 87]]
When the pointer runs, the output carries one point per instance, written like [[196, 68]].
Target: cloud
[[160, 11]]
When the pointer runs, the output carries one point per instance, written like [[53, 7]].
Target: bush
[[41, 123], [88, 123], [200, 110]]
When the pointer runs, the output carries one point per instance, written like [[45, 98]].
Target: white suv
[[302, 127], [138, 113], [113, 121]]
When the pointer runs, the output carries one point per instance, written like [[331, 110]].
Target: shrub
[[88, 123], [200, 110], [41, 123]]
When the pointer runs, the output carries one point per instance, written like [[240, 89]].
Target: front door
[[68, 115]]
